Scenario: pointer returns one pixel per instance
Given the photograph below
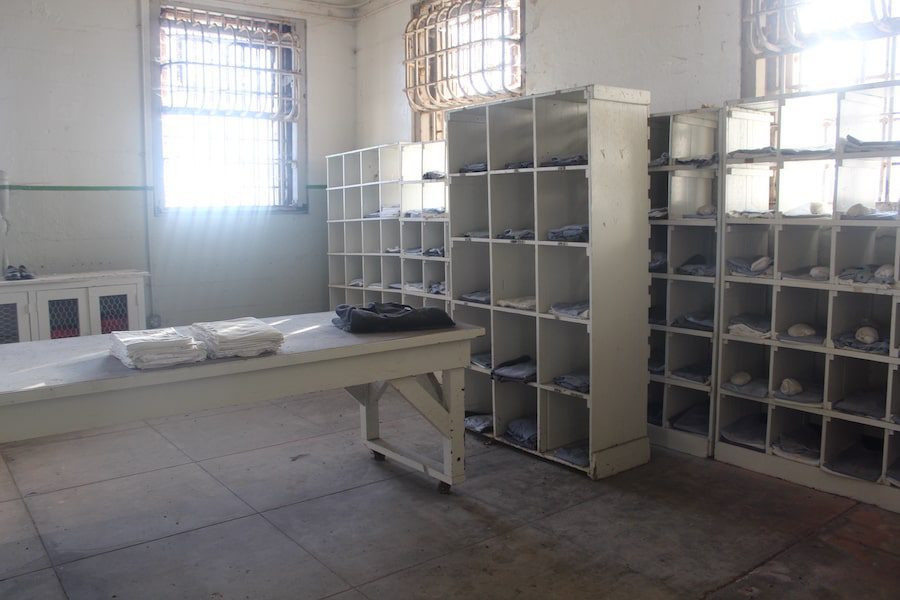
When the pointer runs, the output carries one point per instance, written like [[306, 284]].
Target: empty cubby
[[353, 237], [690, 190], [335, 205], [480, 318], [892, 464], [372, 270], [743, 241], [745, 298], [511, 132], [686, 351], [565, 348], [660, 127], [858, 386], [433, 236], [392, 296], [515, 335], [434, 196], [851, 310], [801, 183], [749, 188], [412, 273], [853, 449], [413, 300], [356, 297], [804, 366], [808, 122], [561, 125], [390, 234], [471, 268], [694, 134], [389, 163], [371, 232], [513, 401], [858, 246], [658, 296], [656, 362], [369, 165], [743, 422], [479, 396], [410, 236], [353, 269], [659, 243], [336, 237], [371, 200], [469, 199], [563, 274], [390, 271], [514, 277], [336, 270], [688, 242], [750, 126], [655, 395], [563, 420], [796, 305], [687, 410], [690, 298], [893, 413], [468, 130], [411, 162], [562, 199], [659, 189], [801, 247], [796, 435], [749, 358], [863, 114], [352, 168], [337, 297], [335, 169], [353, 203], [512, 202]]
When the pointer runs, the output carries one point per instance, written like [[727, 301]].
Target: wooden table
[[57, 386]]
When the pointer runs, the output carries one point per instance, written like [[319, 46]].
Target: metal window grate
[[64, 321], [9, 324], [230, 98], [461, 52], [113, 313]]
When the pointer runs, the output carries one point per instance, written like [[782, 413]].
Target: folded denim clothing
[[748, 431], [392, 250], [657, 362], [660, 161], [815, 339], [805, 151], [479, 423], [806, 273], [576, 453], [865, 274], [357, 282], [479, 297], [437, 251], [812, 393], [569, 233], [566, 161], [758, 388], [867, 403], [803, 444], [848, 340], [862, 460], [750, 266], [658, 261], [699, 162], [852, 144], [516, 234], [656, 315], [474, 167], [438, 288], [522, 370], [700, 320], [414, 251], [482, 360], [765, 151], [521, 303], [698, 372], [578, 310], [522, 164], [658, 213], [477, 234], [414, 286], [580, 381], [523, 432], [698, 266], [752, 325], [693, 420], [380, 317], [434, 175]]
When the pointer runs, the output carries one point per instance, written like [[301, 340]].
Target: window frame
[[153, 146]]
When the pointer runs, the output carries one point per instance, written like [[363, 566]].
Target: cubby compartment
[[562, 199], [857, 247], [750, 126], [687, 410], [434, 275], [852, 310], [655, 396], [434, 200], [390, 272], [513, 402], [800, 248], [468, 130], [800, 306], [689, 360], [411, 195], [513, 277], [389, 162], [656, 363], [694, 135], [353, 203], [806, 368], [660, 127], [796, 435], [748, 188], [743, 244], [740, 359], [336, 270], [857, 387], [372, 270], [808, 122], [804, 186], [691, 305], [352, 173], [853, 450], [390, 236], [561, 126], [371, 240], [863, 114], [353, 242], [512, 203], [336, 237], [565, 428], [369, 165], [353, 269], [867, 181], [743, 422], [479, 397], [469, 199], [689, 191], [692, 251], [471, 269], [747, 310], [336, 297], [356, 297], [412, 276], [335, 205], [433, 236], [411, 237], [658, 299], [411, 162], [371, 200], [659, 250], [480, 318], [434, 157], [390, 197], [563, 275], [659, 189], [511, 133], [514, 335], [564, 356], [335, 171]]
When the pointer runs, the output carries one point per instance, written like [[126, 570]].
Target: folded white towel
[[246, 336], [154, 348]]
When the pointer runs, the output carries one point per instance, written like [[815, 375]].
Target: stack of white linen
[[154, 348], [245, 337]]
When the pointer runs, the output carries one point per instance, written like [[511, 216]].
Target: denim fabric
[[392, 250], [516, 234], [434, 175], [522, 303], [816, 339], [749, 431], [812, 394], [438, 288], [482, 360], [358, 282], [753, 152], [475, 167], [758, 388], [437, 251], [523, 432], [576, 453], [701, 321], [414, 251], [699, 161], [803, 273], [477, 234], [656, 315], [869, 403], [578, 381], [522, 164], [848, 340], [742, 265], [693, 420], [751, 325], [566, 161], [522, 370], [660, 161], [852, 144], [569, 233], [699, 373], [803, 444], [861, 460], [479, 297], [698, 266], [479, 423], [578, 310], [658, 262], [377, 317], [864, 274], [658, 213]]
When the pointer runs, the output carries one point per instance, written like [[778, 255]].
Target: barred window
[[232, 110], [461, 52]]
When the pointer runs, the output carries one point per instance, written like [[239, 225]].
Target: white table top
[[57, 368]]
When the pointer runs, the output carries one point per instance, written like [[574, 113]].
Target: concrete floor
[[280, 500]]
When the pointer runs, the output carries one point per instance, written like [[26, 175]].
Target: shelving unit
[[679, 409], [380, 207], [849, 449], [607, 191]]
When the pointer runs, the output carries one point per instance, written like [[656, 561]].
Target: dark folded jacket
[[378, 317]]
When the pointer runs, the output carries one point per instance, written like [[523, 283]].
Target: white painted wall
[[70, 114], [686, 52]]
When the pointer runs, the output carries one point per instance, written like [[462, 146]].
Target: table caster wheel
[[443, 488], [378, 456]]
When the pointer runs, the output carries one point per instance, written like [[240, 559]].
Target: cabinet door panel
[[113, 308], [15, 324], [63, 313]]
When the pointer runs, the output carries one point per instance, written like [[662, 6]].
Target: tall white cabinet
[[607, 190]]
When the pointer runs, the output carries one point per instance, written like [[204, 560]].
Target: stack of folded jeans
[[244, 337], [479, 297], [748, 431], [864, 403], [812, 393], [699, 162], [580, 381], [482, 360], [522, 164], [862, 460], [576, 453], [521, 303], [658, 261], [756, 387], [395, 286], [154, 348], [436, 251], [569, 233], [700, 320], [379, 317], [523, 432], [803, 444], [751, 325], [807, 211], [698, 373], [516, 234], [566, 161], [868, 274], [693, 420], [474, 167], [414, 286], [848, 339], [750, 266], [417, 251], [577, 310], [522, 370], [697, 266], [479, 423]]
